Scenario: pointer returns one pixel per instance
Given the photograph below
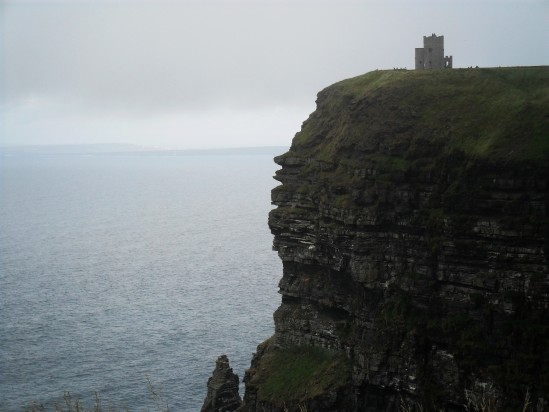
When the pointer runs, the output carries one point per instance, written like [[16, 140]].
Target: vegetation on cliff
[[298, 373], [497, 113]]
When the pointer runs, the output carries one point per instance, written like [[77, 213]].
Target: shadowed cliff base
[[412, 225]]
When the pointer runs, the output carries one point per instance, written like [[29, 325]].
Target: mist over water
[[118, 268]]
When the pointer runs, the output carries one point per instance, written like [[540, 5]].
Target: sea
[[127, 274]]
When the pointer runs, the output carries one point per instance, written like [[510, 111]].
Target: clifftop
[[487, 113], [412, 225]]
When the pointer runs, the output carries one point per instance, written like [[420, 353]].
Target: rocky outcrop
[[412, 225], [223, 395]]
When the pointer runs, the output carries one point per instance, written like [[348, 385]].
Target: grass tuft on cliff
[[299, 373], [70, 403]]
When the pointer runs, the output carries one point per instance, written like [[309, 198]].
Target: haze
[[224, 73]]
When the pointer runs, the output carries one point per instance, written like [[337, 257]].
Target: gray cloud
[[157, 55], [145, 59]]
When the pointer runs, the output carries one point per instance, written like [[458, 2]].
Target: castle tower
[[431, 56]]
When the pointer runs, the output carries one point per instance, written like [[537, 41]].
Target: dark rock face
[[223, 393], [424, 264]]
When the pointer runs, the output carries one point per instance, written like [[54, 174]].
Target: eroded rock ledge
[[412, 224]]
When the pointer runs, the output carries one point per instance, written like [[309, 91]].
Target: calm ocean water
[[115, 268]]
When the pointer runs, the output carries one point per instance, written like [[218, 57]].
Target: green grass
[[300, 373], [484, 113]]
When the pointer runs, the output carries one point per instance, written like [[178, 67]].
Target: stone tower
[[431, 55]]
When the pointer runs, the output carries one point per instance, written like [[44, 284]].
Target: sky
[[196, 74]]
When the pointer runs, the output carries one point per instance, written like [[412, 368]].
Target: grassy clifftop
[[496, 113]]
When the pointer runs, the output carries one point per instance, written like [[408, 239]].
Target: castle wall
[[420, 58]]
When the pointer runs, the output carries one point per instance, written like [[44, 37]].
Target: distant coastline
[[129, 149]]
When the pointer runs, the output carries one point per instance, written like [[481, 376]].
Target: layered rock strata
[[223, 395], [412, 224]]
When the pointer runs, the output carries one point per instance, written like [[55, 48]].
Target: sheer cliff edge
[[412, 224]]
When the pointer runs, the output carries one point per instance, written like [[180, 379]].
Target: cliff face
[[412, 224]]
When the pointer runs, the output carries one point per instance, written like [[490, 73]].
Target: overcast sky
[[224, 73]]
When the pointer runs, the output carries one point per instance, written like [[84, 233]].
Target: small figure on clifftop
[[223, 393]]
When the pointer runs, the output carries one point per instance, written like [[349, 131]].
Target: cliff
[[412, 224]]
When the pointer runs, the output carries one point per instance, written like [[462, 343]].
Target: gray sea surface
[[119, 268]]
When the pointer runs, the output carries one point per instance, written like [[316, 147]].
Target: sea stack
[[223, 393]]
